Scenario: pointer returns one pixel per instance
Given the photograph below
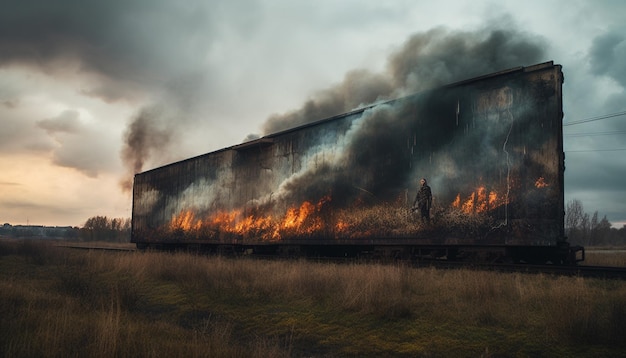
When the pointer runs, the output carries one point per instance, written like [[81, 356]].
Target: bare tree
[[101, 228], [574, 214]]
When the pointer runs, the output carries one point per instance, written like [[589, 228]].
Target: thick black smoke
[[145, 136], [149, 137], [426, 60], [359, 88]]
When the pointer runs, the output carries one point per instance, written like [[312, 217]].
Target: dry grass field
[[605, 257], [57, 302]]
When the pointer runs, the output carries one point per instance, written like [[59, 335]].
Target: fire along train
[[490, 147]]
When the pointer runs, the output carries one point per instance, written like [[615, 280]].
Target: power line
[[592, 119], [594, 150], [593, 134]]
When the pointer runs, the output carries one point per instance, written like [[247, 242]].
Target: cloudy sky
[[94, 91]]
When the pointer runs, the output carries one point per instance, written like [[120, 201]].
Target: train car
[[490, 148]]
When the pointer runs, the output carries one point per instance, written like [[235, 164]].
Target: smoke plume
[[359, 87], [147, 134], [426, 60]]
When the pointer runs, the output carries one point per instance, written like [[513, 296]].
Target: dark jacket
[[424, 198]]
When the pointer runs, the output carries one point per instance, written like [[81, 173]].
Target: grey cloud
[[146, 43], [18, 135], [87, 159], [23, 209], [88, 152], [597, 177], [607, 54], [68, 121], [606, 58], [11, 103], [76, 146], [604, 171], [157, 51], [8, 96], [111, 91]]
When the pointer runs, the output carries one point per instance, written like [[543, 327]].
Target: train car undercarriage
[[562, 254]]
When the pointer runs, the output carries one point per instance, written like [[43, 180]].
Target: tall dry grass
[[605, 257], [100, 304], [568, 309], [56, 303]]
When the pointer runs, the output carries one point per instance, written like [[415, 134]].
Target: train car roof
[[269, 139]]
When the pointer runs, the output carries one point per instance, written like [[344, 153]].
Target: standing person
[[423, 200]]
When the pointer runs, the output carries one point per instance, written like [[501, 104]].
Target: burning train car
[[491, 149]]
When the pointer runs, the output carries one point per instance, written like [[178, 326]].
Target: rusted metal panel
[[491, 149]]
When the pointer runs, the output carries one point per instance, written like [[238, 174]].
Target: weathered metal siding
[[491, 149]]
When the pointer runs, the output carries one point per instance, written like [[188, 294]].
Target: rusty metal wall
[[490, 148]]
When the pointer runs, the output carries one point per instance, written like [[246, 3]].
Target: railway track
[[601, 272], [98, 248], [606, 272]]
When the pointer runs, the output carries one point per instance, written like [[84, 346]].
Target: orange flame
[[251, 224], [478, 201], [296, 216], [302, 220], [468, 205], [185, 221], [541, 183], [341, 226], [457, 201], [493, 197]]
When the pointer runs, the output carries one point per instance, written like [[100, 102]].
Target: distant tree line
[[97, 228], [101, 228], [39, 231], [582, 229]]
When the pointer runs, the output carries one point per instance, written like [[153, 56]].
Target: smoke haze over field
[[91, 92]]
